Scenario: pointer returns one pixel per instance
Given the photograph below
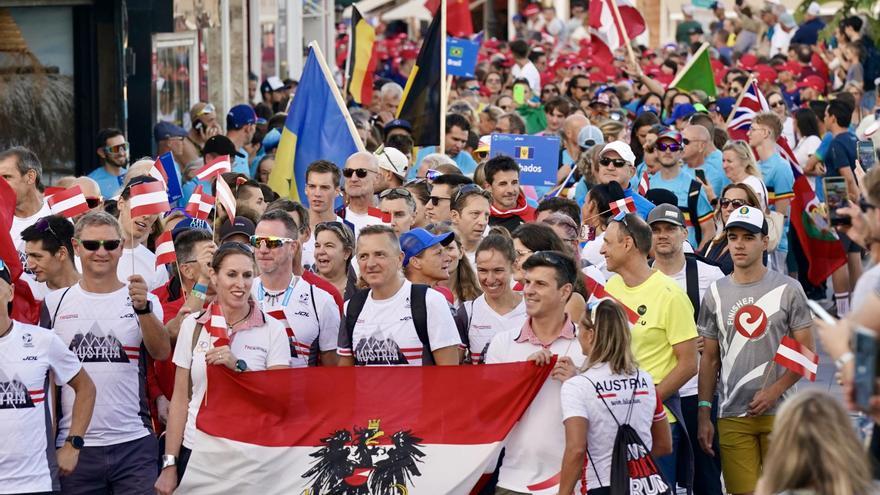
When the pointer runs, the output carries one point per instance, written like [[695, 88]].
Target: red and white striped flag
[[165, 249], [226, 198], [797, 358], [608, 33], [217, 166], [148, 198], [625, 205], [69, 202], [644, 183], [597, 293], [200, 204], [216, 326], [158, 172]]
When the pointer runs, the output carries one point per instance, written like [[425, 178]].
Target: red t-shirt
[[160, 374]]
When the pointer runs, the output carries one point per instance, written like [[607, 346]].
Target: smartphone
[[835, 197], [866, 154], [519, 94], [877, 114], [701, 175], [866, 366], [820, 312]]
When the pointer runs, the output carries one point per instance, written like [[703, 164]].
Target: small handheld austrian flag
[[217, 166], [200, 204], [69, 202], [226, 198], [148, 198], [158, 172], [644, 183], [165, 249], [797, 358], [625, 205], [216, 326]]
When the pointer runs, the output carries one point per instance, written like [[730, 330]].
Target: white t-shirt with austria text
[[485, 323]]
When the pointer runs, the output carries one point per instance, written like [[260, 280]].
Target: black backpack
[[692, 202], [419, 316], [633, 469]]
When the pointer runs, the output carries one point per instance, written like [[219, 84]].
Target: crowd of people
[[661, 272]]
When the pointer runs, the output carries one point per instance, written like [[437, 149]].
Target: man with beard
[[509, 208], [113, 156]]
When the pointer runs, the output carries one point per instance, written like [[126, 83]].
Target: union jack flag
[[753, 102]]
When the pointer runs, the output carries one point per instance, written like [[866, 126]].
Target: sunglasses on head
[[617, 162], [43, 225], [468, 190], [94, 245], [622, 219], [736, 203], [673, 147], [399, 192], [271, 241], [360, 172]]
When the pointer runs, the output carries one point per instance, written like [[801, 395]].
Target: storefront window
[[175, 76]]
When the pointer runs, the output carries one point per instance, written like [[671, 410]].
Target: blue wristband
[[201, 288]]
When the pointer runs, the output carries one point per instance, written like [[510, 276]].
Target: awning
[[365, 7], [413, 9]]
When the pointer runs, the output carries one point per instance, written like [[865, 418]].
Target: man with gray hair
[[698, 146], [400, 205], [511, 123], [389, 99], [361, 174], [23, 171], [111, 326]]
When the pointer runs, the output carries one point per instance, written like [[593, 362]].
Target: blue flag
[[175, 192]]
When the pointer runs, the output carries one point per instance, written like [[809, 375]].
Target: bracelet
[[199, 295], [704, 403], [201, 288], [843, 360]]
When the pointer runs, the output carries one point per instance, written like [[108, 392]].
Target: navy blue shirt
[[808, 32], [841, 154]]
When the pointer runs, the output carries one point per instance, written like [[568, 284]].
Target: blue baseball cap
[[724, 106], [164, 130], [398, 124], [681, 111], [240, 116], [189, 223], [417, 240]]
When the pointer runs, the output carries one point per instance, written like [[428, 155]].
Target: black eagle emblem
[[366, 462]]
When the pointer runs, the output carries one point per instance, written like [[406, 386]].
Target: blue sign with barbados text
[[461, 56], [537, 156]]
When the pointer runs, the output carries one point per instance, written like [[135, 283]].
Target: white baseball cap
[[622, 149], [687, 9], [814, 9], [393, 160], [746, 217]]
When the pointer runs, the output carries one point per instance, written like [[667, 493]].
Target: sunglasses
[[777, 104], [94, 202], [622, 219], [736, 203], [550, 90], [91, 245], [686, 141], [271, 242], [398, 192], [360, 172], [435, 200], [673, 147], [582, 88], [118, 148], [475, 89], [617, 162]]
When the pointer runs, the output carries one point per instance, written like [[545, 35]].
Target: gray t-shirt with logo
[[749, 321]]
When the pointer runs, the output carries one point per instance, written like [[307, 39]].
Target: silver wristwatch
[[168, 461]]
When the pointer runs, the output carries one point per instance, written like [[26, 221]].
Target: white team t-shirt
[[582, 399], [308, 332], [260, 347], [27, 453], [534, 448], [38, 289], [360, 220], [142, 262], [386, 335], [104, 333], [484, 323]]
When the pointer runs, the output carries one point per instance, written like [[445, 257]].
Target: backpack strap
[[419, 310], [315, 306], [197, 331], [692, 201], [355, 306], [692, 281]]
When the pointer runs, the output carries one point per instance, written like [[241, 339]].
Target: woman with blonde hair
[[814, 450], [591, 422], [613, 130], [740, 167], [733, 196]]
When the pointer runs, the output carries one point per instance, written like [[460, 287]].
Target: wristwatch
[[76, 442], [240, 365], [147, 309], [168, 461]]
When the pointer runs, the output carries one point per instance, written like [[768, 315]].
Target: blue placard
[[537, 156], [461, 56]]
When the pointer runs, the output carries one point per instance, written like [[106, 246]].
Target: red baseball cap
[[765, 73], [748, 61], [531, 9], [814, 82], [791, 66]]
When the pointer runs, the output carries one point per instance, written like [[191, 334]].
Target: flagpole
[[346, 78], [739, 98], [337, 95], [687, 66], [443, 88], [623, 32]]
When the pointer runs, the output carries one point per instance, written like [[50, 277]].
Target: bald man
[[698, 145], [571, 126], [91, 191], [361, 175]]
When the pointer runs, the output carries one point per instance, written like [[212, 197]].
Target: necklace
[[241, 320]]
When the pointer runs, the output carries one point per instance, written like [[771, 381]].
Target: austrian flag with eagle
[[390, 430]]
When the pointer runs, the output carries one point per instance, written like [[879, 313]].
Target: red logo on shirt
[[750, 321]]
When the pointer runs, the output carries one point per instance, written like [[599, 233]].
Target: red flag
[[598, 291], [217, 166], [69, 202], [200, 204], [625, 205], [423, 416], [458, 20], [148, 198], [613, 31], [797, 358], [226, 198], [644, 183], [216, 326], [24, 307], [158, 172], [165, 249]]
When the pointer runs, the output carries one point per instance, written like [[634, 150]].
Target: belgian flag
[[420, 104], [361, 59]]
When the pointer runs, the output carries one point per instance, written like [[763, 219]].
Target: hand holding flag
[[797, 358], [69, 203]]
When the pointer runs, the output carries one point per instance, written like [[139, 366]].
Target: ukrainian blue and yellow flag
[[318, 127]]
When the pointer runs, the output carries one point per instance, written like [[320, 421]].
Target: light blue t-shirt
[[463, 161], [240, 163], [109, 184], [680, 186], [779, 180]]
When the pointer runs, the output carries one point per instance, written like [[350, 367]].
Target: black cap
[[220, 145], [241, 225]]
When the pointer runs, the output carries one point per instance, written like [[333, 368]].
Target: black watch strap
[[75, 441], [147, 309]]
